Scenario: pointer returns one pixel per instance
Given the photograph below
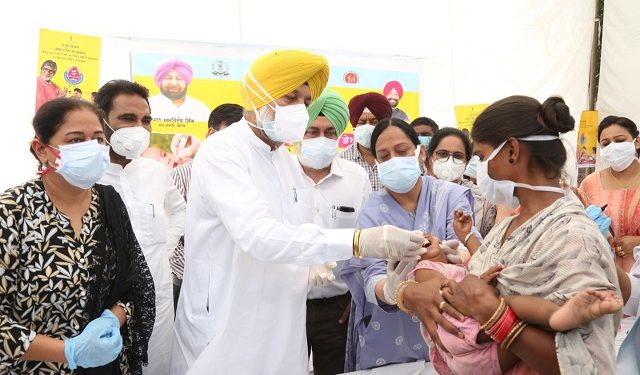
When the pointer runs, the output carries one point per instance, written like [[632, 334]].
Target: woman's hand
[[490, 276], [424, 299], [472, 296], [624, 246], [462, 223]]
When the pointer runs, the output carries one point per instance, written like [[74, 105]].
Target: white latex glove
[[389, 242], [396, 273], [451, 251], [322, 275]]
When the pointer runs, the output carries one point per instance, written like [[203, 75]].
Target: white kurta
[[191, 109], [242, 308], [157, 213]]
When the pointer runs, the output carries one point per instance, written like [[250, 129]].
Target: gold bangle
[[515, 336], [496, 316], [356, 244], [509, 336], [399, 298]]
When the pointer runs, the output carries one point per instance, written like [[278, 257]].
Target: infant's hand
[[462, 223]]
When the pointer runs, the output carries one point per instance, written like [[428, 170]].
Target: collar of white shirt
[[253, 139]]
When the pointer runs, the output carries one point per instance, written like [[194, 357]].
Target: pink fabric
[[625, 219], [468, 356], [46, 91], [393, 85], [181, 67]]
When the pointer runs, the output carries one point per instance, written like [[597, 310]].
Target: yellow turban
[[281, 72]]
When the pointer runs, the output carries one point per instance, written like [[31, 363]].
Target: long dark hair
[[523, 116]]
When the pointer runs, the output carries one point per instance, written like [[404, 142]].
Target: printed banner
[[68, 65], [185, 89], [587, 139], [467, 114]]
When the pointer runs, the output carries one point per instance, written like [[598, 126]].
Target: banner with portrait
[[184, 89], [68, 65]]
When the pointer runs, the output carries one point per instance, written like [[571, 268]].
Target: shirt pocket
[[298, 207], [343, 220], [154, 226]]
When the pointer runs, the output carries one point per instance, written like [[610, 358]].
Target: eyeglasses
[[458, 157], [48, 70]]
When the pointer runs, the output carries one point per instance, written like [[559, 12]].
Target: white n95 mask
[[448, 170], [317, 153], [502, 191], [129, 142], [289, 123]]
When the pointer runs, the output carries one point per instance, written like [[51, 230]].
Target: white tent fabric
[[619, 90], [471, 52]]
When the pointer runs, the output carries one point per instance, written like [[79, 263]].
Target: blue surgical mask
[[399, 174], [82, 164], [425, 140]]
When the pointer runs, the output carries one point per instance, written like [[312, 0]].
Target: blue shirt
[[380, 334]]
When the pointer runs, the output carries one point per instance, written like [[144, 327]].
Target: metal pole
[[595, 56]]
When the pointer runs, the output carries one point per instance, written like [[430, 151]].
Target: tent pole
[[594, 69]]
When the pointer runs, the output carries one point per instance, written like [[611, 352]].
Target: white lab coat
[[157, 213], [242, 307]]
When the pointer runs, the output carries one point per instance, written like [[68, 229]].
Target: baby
[[477, 353]]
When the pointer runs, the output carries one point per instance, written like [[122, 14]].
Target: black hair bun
[[555, 115]]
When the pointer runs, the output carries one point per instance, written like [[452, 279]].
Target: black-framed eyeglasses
[[458, 157]]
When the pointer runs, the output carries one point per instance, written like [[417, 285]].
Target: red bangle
[[502, 328]]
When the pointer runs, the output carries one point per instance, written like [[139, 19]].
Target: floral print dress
[[49, 278]]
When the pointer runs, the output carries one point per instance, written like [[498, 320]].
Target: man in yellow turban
[[340, 188], [249, 236]]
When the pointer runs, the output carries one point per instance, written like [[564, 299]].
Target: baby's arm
[[462, 225]]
